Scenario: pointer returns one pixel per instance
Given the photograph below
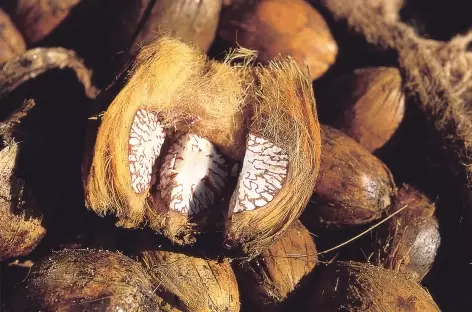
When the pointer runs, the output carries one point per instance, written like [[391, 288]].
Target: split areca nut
[[281, 162], [351, 286], [354, 187], [281, 27], [367, 104], [409, 241], [192, 283], [267, 280], [165, 146], [11, 40], [88, 280]]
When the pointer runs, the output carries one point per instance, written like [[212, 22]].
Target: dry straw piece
[[267, 280], [184, 92], [88, 280], [191, 283]]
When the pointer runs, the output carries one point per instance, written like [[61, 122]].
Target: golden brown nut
[[268, 279], [353, 187], [195, 284], [351, 286], [38, 18], [11, 41], [367, 104], [192, 21], [88, 280], [282, 27], [408, 242]]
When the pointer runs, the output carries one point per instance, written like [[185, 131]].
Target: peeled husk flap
[[408, 242], [351, 286], [354, 187], [267, 280], [284, 113], [87, 280], [192, 283]]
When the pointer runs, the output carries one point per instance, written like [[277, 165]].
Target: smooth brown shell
[[351, 286], [38, 18], [368, 104], [268, 279], [11, 41], [87, 280], [192, 21], [192, 283], [408, 242], [281, 27], [354, 187]]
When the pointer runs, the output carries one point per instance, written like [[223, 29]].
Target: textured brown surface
[[87, 280], [11, 41], [269, 278], [409, 241], [37, 18], [192, 21], [368, 105], [192, 283], [281, 27], [353, 187], [351, 286]]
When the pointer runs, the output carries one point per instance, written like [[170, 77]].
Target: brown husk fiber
[[192, 283], [88, 280], [11, 40], [285, 114], [437, 75], [222, 103], [268, 279], [351, 286]]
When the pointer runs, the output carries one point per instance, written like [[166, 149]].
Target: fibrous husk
[[267, 280], [87, 280], [367, 104], [408, 242], [354, 187], [285, 114], [20, 216], [191, 21], [351, 286], [11, 40], [191, 283], [221, 103], [281, 27]]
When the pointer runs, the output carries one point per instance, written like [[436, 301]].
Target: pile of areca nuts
[[221, 155]]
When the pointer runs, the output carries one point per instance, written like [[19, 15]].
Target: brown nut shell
[[354, 187], [88, 280], [192, 21], [191, 283], [368, 105], [282, 27], [351, 286], [11, 40], [268, 279], [38, 18], [408, 242]]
